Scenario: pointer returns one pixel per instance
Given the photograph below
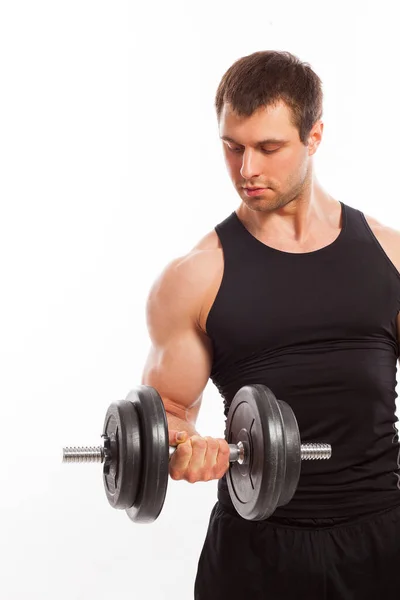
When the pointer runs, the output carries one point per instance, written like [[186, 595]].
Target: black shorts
[[321, 559]]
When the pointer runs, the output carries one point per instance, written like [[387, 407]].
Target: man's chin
[[259, 204]]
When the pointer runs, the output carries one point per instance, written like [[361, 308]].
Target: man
[[297, 291]]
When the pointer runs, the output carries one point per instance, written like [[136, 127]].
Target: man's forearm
[[180, 424]]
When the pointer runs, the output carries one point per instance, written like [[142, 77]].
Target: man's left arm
[[389, 239]]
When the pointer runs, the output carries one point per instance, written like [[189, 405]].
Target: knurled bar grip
[[96, 454]]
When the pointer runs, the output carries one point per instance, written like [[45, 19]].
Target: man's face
[[281, 163]]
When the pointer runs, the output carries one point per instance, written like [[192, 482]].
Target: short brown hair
[[263, 79]]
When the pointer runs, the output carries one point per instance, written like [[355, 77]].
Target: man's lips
[[254, 191], [254, 187]]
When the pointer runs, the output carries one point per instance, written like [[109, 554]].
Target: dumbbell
[[264, 443]]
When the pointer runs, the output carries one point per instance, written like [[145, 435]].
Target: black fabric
[[298, 559], [319, 329]]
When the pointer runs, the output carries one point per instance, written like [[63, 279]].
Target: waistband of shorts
[[225, 503]]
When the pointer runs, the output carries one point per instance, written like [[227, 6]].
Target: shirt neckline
[[312, 252]]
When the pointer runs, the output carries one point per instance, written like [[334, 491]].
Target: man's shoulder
[[210, 241], [388, 237], [202, 264], [189, 277], [205, 252], [382, 229]]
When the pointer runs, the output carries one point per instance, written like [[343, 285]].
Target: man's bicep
[[179, 361], [179, 369]]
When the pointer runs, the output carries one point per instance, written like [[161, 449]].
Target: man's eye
[[239, 150]]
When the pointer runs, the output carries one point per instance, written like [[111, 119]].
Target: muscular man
[[301, 292]]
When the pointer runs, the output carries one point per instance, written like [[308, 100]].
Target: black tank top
[[319, 329]]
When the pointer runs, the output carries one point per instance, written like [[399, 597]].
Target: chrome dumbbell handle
[[237, 453]]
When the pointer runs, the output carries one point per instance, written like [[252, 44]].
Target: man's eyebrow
[[261, 143]]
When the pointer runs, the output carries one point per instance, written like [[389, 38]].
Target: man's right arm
[[179, 362], [180, 359]]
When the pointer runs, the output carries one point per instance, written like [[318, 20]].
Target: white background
[[110, 167]]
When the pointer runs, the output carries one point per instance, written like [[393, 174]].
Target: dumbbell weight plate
[[293, 453], [122, 475], [154, 448], [255, 419]]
